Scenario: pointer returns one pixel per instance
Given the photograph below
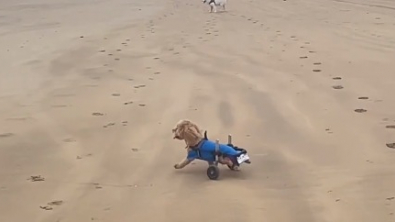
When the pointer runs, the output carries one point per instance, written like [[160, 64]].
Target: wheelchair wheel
[[213, 172]]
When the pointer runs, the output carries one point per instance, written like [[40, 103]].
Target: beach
[[90, 90]]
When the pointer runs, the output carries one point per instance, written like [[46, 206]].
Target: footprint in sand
[[139, 86], [59, 106], [360, 110], [55, 203], [156, 73], [317, 63], [391, 145], [363, 97], [117, 59], [337, 78], [110, 54], [51, 204], [97, 185], [303, 57], [142, 104], [108, 125], [97, 114], [338, 87], [135, 149], [127, 103], [80, 157], [5, 135], [69, 140], [118, 50], [390, 126], [46, 207], [102, 50], [37, 178], [316, 70], [65, 95]]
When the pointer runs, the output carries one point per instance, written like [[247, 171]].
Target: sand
[[89, 92]]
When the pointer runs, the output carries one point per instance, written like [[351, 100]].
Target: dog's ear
[[205, 135]]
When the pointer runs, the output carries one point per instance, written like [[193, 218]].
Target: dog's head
[[178, 129], [187, 131], [205, 1]]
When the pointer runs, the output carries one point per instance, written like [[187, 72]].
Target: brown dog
[[192, 135]]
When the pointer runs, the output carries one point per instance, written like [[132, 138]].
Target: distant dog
[[214, 3]]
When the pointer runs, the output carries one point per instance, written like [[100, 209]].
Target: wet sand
[[89, 93]]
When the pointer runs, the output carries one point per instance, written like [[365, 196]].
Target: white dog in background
[[214, 3]]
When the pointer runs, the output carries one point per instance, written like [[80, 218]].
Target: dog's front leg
[[182, 164]]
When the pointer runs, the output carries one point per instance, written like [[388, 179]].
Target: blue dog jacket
[[205, 150]]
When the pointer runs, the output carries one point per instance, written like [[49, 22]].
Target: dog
[[198, 146], [214, 3]]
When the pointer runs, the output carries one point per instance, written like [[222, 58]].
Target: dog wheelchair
[[213, 170]]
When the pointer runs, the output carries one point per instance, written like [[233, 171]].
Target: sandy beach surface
[[90, 90]]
